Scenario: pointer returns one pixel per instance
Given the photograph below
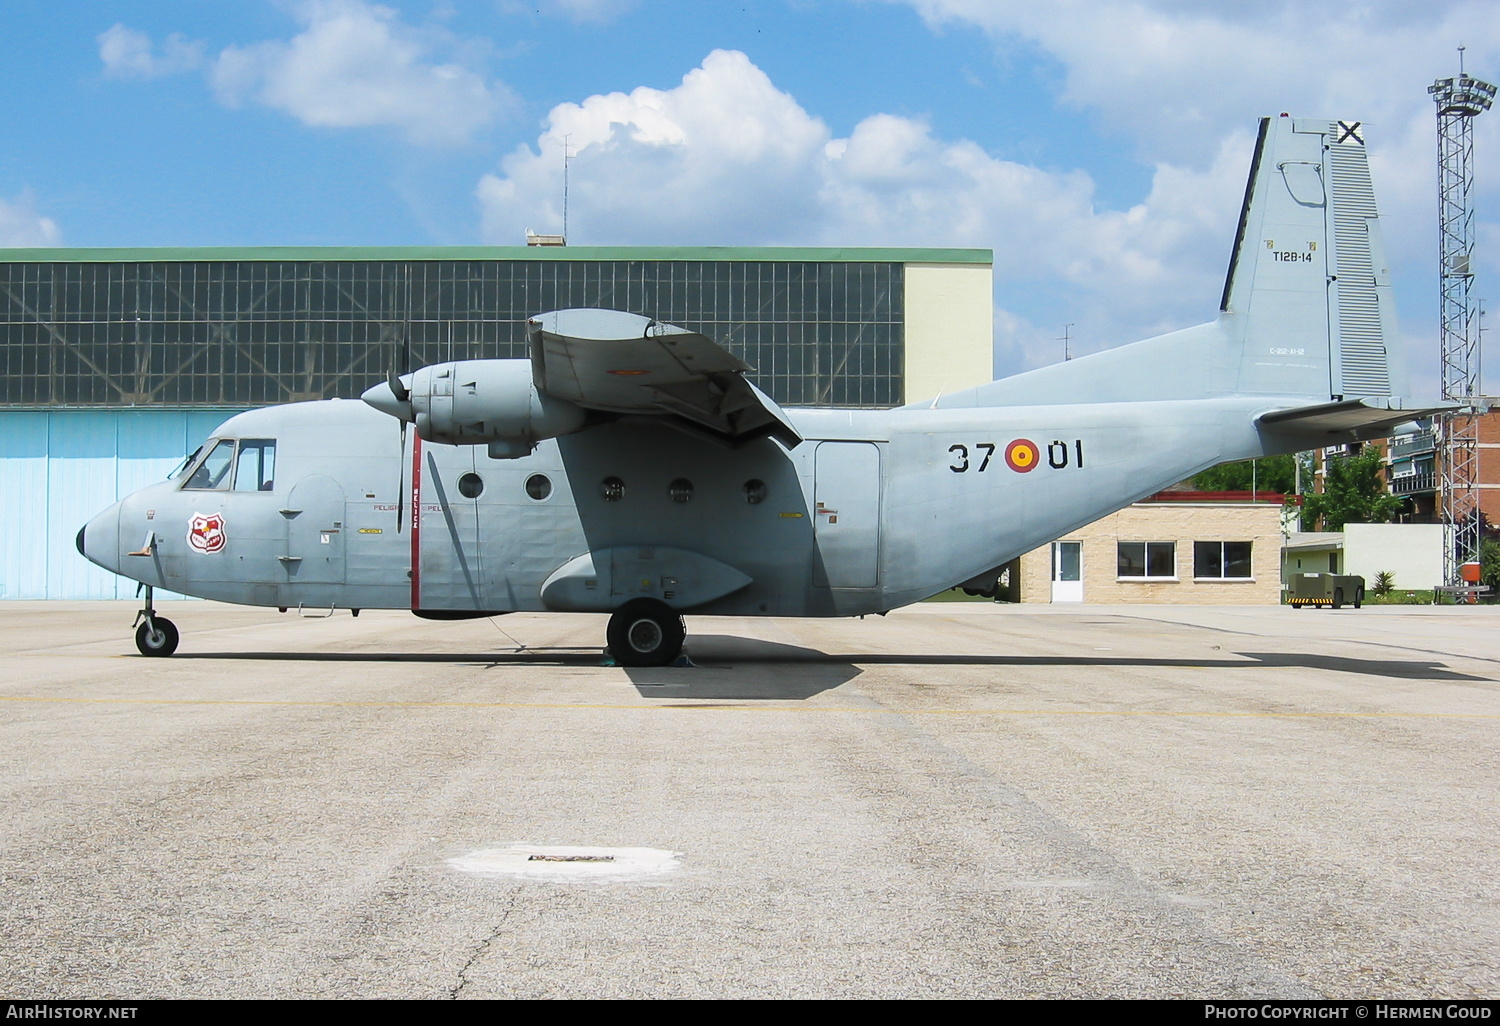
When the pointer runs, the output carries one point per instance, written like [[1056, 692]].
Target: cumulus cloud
[[1179, 78], [1175, 74], [22, 227], [128, 53], [357, 65], [353, 65], [727, 158], [708, 161]]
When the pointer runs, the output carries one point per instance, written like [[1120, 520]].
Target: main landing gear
[[154, 635], [645, 632]]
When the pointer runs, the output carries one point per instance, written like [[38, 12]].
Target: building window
[[250, 332], [1221, 561], [1147, 560]]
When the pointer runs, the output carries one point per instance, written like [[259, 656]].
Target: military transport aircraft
[[630, 467]]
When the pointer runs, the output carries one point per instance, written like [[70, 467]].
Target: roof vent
[[533, 239]]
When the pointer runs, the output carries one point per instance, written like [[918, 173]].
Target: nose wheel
[[645, 632], [154, 635]]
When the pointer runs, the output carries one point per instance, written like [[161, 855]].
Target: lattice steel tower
[[1458, 101]]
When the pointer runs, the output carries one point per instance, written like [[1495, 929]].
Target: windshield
[[213, 472], [187, 461]]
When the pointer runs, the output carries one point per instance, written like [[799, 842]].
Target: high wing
[[624, 363]]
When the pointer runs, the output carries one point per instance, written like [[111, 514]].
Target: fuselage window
[[471, 486], [612, 489], [214, 472], [538, 486], [681, 490], [755, 491], [255, 469]]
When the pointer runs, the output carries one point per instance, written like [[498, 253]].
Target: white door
[[1067, 571]]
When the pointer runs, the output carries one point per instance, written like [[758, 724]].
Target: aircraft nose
[[99, 540], [383, 398]]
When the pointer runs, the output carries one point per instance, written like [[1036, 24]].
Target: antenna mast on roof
[[567, 156]]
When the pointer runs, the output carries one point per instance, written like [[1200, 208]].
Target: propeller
[[400, 391], [403, 413], [402, 395]]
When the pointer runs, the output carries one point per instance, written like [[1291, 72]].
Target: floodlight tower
[[1459, 100]]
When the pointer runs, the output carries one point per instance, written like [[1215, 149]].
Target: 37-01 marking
[[1022, 455]]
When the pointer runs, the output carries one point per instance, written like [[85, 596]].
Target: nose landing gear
[[154, 635]]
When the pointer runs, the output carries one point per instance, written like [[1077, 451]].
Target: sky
[[1099, 147]]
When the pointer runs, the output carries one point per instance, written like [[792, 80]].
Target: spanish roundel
[[1021, 455]]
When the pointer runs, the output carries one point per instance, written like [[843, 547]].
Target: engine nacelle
[[473, 402]]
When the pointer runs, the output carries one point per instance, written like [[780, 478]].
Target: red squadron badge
[[1021, 455], [206, 532]]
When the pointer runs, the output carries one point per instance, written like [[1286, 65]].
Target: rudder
[[1308, 290]]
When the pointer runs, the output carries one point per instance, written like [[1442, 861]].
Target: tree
[[1268, 474], [1353, 493], [1489, 566]]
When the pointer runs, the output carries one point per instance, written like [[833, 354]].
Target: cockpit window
[[187, 462], [255, 469], [213, 472]]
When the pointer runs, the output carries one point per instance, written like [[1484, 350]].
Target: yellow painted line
[[687, 704]]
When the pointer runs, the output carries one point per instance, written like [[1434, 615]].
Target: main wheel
[[156, 637], [645, 632], [1338, 598]]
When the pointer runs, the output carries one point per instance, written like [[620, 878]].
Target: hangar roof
[[189, 254]]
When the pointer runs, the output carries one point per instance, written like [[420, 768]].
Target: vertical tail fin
[[1306, 314], [1308, 291]]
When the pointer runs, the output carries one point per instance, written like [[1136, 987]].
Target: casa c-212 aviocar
[[629, 467]]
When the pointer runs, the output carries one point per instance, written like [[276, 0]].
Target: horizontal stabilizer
[[1351, 419]]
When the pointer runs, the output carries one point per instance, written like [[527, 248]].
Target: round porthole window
[[755, 491], [471, 486], [612, 489], [538, 486], [681, 490]]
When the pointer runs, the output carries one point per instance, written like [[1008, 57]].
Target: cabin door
[[314, 515], [450, 575], [846, 512]]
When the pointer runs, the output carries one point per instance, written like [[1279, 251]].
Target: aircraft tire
[[156, 637], [645, 632]]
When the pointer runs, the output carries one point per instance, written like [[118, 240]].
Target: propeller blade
[[400, 391], [401, 477]]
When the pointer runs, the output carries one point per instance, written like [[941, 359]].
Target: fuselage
[[323, 507]]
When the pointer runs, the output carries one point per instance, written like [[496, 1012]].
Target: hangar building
[[115, 364]]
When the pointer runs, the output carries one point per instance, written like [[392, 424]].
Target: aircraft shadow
[[726, 667], [744, 669]]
